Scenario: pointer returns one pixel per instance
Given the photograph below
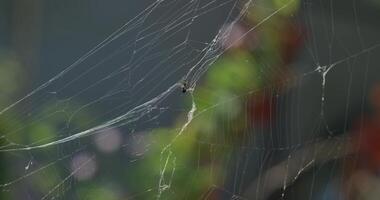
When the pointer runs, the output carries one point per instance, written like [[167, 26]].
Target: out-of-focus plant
[[228, 99], [194, 163], [10, 83], [30, 130]]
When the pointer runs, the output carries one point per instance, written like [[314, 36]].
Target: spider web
[[117, 112]]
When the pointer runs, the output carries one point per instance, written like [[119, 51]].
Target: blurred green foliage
[[184, 171]]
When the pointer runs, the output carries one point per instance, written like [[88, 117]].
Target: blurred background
[[189, 99]]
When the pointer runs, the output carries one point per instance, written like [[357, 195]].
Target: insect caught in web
[[184, 86]]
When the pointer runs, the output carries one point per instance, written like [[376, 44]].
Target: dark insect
[[184, 87]]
